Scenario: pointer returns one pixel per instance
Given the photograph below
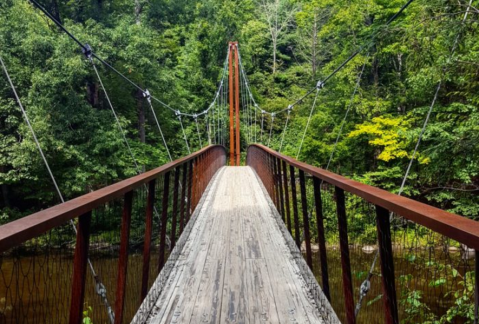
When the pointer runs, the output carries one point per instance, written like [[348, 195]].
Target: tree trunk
[[5, 191], [54, 10], [138, 9], [92, 94], [274, 55]]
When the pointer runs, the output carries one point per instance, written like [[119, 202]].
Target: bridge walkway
[[236, 265]]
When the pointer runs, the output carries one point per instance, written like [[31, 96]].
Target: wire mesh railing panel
[[103, 253], [135, 254], [35, 278], [435, 275]]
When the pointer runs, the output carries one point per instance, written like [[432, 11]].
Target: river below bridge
[[28, 300]]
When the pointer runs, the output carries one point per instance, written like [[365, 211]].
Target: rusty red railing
[[158, 202], [280, 175]]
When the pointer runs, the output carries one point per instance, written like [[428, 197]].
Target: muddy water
[[36, 289]]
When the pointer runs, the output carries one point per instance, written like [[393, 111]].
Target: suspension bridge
[[214, 237]]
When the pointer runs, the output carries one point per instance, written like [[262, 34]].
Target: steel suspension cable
[[307, 123], [148, 98], [99, 286], [85, 48], [284, 130]]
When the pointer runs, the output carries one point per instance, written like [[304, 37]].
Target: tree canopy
[[176, 49]]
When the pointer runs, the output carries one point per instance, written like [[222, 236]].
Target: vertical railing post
[[280, 184], [176, 186], [272, 166], [164, 220], [304, 205], [321, 237], [387, 265], [345, 259], [194, 182], [80, 263], [297, 233], [123, 258], [150, 205], [274, 161], [190, 184], [184, 175], [286, 196]]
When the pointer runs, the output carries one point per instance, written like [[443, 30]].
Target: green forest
[[366, 122], [176, 49]]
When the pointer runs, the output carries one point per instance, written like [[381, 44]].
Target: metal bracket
[[147, 95], [87, 51]]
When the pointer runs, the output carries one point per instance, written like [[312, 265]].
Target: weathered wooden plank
[[261, 307], [183, 286], [236, 266], [207, 307]]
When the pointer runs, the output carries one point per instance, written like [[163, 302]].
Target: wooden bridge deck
[[236, 265]]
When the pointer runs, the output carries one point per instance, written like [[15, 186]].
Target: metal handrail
[[459, 228], [26, 228]]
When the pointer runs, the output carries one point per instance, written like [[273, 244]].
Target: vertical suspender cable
[[307, 124], [271, 129], [183, 131], [198, 131], [148, 98], [284, 130], [262, 124]]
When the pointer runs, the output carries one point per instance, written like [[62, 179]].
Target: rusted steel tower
[[234, 98]]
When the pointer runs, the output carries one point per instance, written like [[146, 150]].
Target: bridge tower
[[234, 99]]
